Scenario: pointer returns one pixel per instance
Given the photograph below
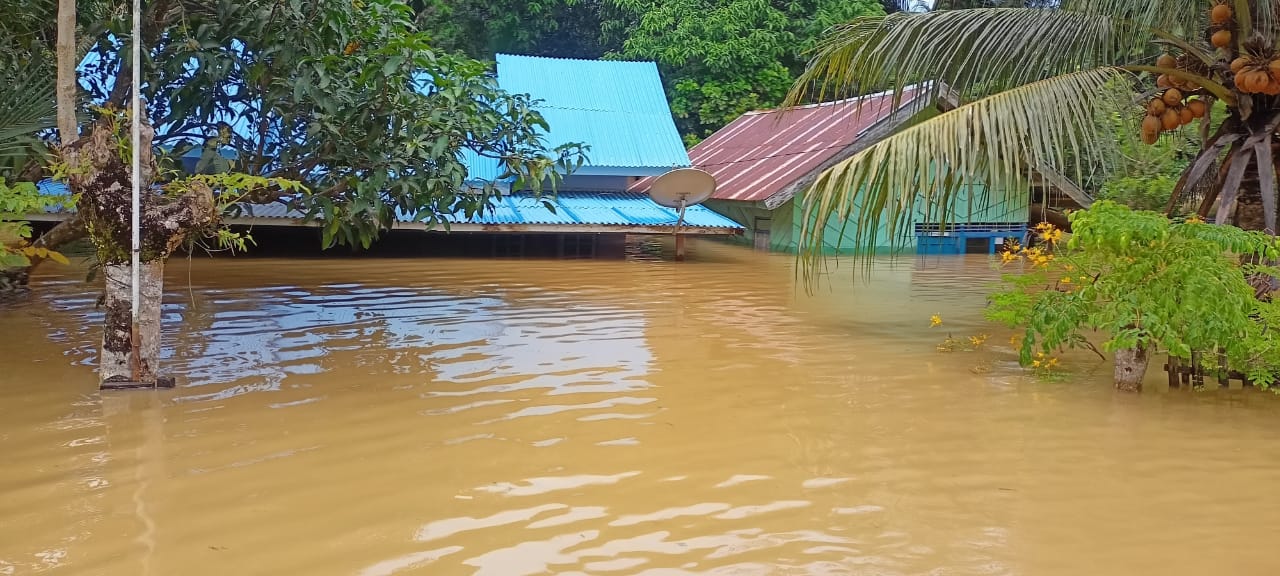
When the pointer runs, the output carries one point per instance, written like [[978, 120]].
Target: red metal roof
[[760, 153]]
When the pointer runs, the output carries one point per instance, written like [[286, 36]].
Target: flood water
[[383, 417]]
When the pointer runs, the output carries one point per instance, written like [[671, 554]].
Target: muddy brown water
[[510, 418]]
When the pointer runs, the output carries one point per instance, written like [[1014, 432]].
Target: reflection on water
[[391, 417]]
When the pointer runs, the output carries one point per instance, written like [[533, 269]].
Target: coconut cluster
[[1168, 111], [1257, 75], [1179, 102]]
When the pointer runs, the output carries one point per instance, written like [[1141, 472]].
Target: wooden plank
[[161, 382]]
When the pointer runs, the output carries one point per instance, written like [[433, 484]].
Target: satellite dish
[[682, 187], [679, 189]]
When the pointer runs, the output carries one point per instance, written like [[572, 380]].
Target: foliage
[[720, 58], [16, 202], [230, 190], [27, 72], [370, 117], [554, 28], [27, 106], [1144, 281]]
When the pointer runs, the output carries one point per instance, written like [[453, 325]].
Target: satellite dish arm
[[680, 215]]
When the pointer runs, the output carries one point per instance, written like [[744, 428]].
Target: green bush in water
[[1143, 280]]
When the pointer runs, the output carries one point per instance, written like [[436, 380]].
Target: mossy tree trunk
[[100, 172]]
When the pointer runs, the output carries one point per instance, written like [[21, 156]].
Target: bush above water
[[1145, 281]]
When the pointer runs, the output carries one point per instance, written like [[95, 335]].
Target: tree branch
[[64, 233]]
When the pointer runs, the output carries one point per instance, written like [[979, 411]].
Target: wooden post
[[679, 247], [1224, 374], [1174, 370]]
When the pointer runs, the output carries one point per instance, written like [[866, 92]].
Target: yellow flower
[[1068, 267], [1066, 280], [935, 320], [1013, 340], [1007, 257], [1051, 236], [1052, 362], [1194, 219], [1035, 364]]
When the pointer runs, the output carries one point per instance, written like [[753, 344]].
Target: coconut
[[1170, 119], [1221, 38], [1238, 64], [1167, 61], [1162, 81], [1198, 108], [1156, 107], [1273, 67], [1261, 79], [1220, 14], [1186, 116], [1172, 97], [1150, 129]]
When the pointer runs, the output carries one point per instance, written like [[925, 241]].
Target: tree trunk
[[1131, 368], [102, 178], [1250, 214], [66, 86], [115, 363]]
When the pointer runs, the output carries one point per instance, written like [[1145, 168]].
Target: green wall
[[781, 227], [785, 222]]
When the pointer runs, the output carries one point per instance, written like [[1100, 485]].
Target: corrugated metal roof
[[617, 108], [572, 208], [762, 152]]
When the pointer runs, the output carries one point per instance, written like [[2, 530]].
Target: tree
[[721, 58], [67, 60], [554, 28], [1146, 283], [338, 108], [1033, 77]]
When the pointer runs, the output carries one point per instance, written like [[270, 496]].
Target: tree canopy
[[348, 97]]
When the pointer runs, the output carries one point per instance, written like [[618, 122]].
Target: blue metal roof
[[571, 209], [617, 108]]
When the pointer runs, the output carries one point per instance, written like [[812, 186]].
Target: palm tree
[[1032, 78]]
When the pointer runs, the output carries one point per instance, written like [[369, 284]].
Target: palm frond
[[28, 104], [975, 52], [928, 169], [1185, 16]]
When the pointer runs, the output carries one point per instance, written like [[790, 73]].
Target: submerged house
[[765, 161], [619, 110]]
